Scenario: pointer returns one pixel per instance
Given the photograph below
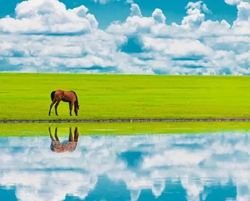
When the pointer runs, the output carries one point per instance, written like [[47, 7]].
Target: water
[[178, 167]]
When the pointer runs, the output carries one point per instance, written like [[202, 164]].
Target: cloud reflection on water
[[151, 162]]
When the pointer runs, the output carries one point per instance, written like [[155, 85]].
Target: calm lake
[[172, 167]]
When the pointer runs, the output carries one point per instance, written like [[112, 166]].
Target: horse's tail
[[52, 95]]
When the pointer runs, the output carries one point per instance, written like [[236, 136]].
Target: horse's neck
[[76, 103]]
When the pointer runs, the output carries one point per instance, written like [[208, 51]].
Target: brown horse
[[69, 145], [65, 96]]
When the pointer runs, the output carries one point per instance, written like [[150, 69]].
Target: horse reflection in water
[[68, 145]]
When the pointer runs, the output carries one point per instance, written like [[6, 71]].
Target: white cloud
[[241, 25], [135, 10], [62, 39], [158, 16], [176, 48], [194, 16], [192, 38], [233, 2], [200, 5], [101, 1], [130, 1], [243, 11], [205, 8], [48, 16]]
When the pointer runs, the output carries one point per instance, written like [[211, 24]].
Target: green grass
[[27, 96], [35, 130]]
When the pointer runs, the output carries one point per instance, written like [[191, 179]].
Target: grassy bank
[[27, 96], [36, 130]]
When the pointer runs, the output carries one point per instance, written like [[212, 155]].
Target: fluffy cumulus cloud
[[234, 2], [48, 17], [158, 163], [46, 36]]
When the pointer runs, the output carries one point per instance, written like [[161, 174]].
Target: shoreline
[[126, 120]]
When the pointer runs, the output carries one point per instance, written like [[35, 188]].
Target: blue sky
[[125, 36]]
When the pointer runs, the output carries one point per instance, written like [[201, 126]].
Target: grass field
[[27, 96], [36, 130]]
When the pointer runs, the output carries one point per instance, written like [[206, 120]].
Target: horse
[[65, 96], [68, 145]]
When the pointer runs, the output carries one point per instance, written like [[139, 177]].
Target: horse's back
[[69, 96], [63, 95]]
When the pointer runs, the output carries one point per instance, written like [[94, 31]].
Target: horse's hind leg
[[51, 137], [51, 105], [57, 103], [70, 108]]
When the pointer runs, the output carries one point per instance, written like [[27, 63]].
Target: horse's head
[[76, 109]]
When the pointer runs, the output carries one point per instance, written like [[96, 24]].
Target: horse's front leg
[[56, 107], [70, 108], [76, 134], [70, 135], [51, 105], [56, 136]]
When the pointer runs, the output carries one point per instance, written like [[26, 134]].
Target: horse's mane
[[76, 97]]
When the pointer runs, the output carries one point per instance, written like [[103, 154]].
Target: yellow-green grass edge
[[27, 96], [107, 129]]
